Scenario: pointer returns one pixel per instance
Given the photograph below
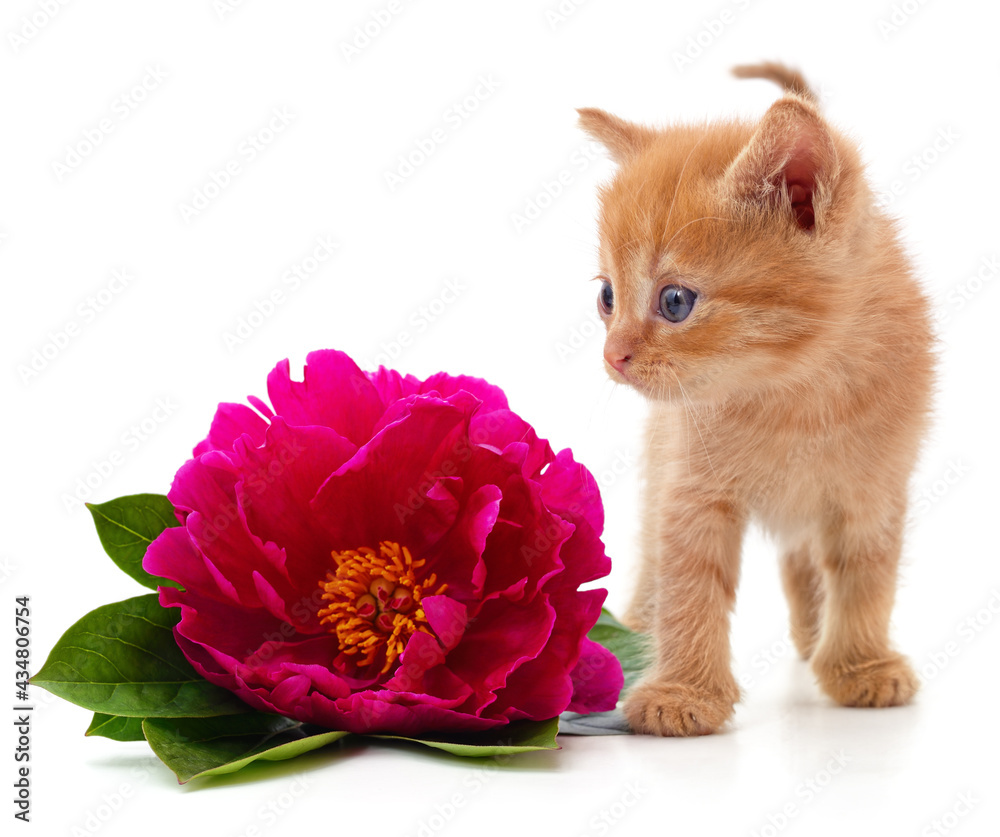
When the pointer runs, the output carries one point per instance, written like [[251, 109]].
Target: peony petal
[[320, 677], [223, 584], [457, 557], [221, 639], [205, 492], [333, 393], [447, 618], [289, 693], [386, 491], [446, 386], [279, 481], [173, 555], [571, 490], [543, 687], [597, 679], [230, 422], [422, 653], [525, 542], [310, 656], [261, 406], [270, 599], [514, 438], [391, 386], [441, 682], [583, 557], [400, 410], [503, 637], [204, 484], [400, 713]]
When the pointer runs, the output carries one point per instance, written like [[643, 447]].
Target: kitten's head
[[720, 248]]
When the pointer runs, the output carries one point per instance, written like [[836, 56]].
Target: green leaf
[[196, 747], [122, 659], [127, 526], [633, 650], [116, 727], [518, 737]]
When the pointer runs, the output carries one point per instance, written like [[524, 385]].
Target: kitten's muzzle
[[616, 357]]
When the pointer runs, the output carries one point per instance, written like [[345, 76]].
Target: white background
[[519, 311]]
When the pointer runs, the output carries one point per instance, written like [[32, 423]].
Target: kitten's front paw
[[656, 707], [885, 682]]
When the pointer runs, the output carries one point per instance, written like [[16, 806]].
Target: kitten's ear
[[791, 153], [623, 139]]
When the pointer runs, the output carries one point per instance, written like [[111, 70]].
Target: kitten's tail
[[792, 81]]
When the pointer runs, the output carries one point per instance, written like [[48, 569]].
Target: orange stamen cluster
[[374, 602]]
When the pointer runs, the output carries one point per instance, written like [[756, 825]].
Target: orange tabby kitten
[[754, 294]]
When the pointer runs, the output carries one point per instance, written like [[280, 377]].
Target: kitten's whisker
[[607, 402], [677, 189], [638, 213], [666, 247], [689, 409]]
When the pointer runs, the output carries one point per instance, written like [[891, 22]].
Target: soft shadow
[[884, 735], [535, 761]]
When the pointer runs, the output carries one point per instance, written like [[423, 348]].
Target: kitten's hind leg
[[803, 585], [854, 661]]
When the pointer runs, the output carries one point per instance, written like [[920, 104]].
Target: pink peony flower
[[382, 554]]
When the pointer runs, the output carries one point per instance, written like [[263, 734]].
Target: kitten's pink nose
[[616, 357]]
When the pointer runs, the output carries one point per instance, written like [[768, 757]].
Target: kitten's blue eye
[[676, 302], [606, 298]]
